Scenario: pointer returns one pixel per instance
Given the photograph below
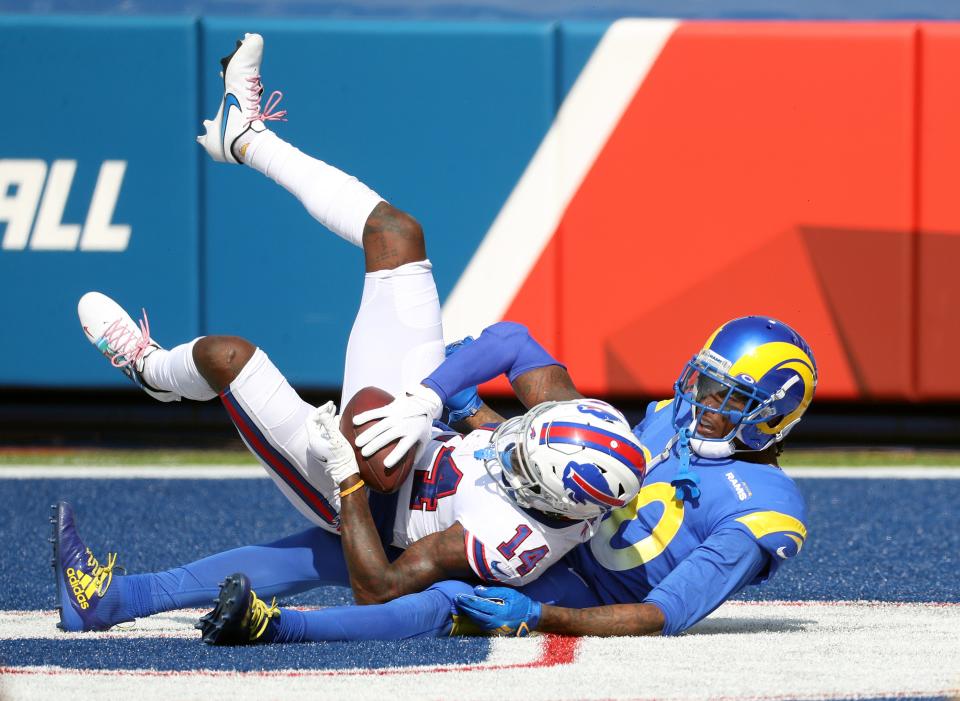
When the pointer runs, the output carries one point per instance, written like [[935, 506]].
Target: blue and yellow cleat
[[240, 617], [83, 584]]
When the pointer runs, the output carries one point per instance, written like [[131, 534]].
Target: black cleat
[[239, 617]]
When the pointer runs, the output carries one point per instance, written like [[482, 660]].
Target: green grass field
[[794, 458]]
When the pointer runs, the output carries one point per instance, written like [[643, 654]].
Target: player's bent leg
[[289, 566], [392, 238], [239, 617], [339, 201], [271, 419], [219, 359], [397, 336], [166, 375]]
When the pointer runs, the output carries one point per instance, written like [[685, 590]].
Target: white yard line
[[744, 651], [43, 624], [133, 472], [910, 472]]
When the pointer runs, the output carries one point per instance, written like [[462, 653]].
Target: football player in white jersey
[[497, 505]]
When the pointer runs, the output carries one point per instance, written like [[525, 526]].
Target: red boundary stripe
[[269, 455], [556, 650]]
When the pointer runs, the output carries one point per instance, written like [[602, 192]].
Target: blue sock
[[294, 564], [423, 615]]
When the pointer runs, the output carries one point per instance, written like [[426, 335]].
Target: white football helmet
[[576, 458]]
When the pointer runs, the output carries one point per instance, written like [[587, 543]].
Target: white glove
[[328, 445], [408, 418]]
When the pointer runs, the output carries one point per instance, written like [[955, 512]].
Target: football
[[378, 477]]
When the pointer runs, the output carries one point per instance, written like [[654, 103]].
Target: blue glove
[[501, 610], [466, 402]]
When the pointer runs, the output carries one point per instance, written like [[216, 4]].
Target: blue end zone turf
[[893, 540], [189, 655]]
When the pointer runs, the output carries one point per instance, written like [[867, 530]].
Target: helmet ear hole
[[772, 422]]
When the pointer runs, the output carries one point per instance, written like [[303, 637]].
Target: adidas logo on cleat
[[85, 585]]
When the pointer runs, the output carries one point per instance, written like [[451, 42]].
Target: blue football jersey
[[688, 556]]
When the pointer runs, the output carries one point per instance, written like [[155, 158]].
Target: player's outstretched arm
[[614, 619], [511, 612], [551, 383], [373, 578], [484, 417], [503, 348]]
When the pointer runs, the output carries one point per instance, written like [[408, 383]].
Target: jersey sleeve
[[721, 566], [652, 409], [780, 534], [505, 347], [513, 556]]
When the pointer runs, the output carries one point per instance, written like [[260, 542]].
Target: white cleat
[[239, 111], [125, 344]]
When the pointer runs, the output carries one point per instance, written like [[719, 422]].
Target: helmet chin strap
[[712, 450]]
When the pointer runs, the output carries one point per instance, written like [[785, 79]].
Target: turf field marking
[[540, 651], [745, 651], [19, 625], [911, 472], [212, 472]]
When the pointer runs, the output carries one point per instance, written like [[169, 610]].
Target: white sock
[[242, 142], [174, 370], [338, 201]]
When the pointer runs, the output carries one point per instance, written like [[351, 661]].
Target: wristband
[[351, 489]]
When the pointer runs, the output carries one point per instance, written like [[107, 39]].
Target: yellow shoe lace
[[102, 574], [259, 615]]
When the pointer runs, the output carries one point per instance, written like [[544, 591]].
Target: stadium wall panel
[[95, 137], [621, 188]]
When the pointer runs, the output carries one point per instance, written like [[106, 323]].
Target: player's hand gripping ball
[[374, 472]]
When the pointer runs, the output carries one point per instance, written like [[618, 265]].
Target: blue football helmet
[[761, 376]]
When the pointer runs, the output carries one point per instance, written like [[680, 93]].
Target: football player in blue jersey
[[715, 513]]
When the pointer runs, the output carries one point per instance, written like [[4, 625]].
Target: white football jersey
[[503, 543]]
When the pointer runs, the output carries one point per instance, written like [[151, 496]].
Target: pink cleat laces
[[128, 345], [267, 115]]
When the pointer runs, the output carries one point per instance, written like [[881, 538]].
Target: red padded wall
[[760, 168], [938, 249]]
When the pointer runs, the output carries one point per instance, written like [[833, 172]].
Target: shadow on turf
[[722, 626]]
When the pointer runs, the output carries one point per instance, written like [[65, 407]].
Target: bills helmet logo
[[583, 483]]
